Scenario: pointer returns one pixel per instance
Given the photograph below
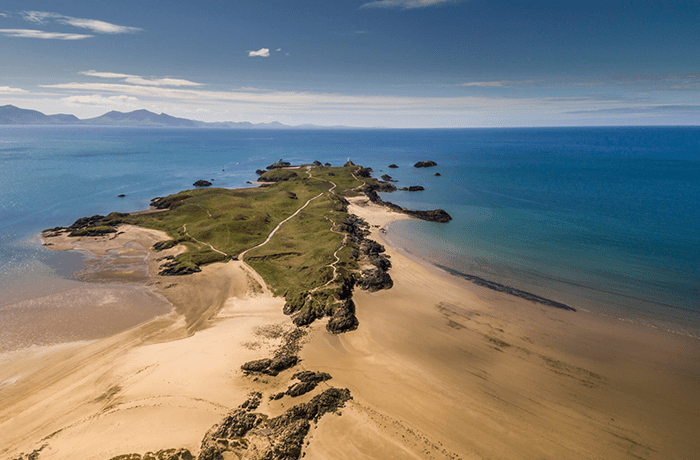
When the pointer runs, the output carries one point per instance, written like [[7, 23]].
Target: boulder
[[424, 164]]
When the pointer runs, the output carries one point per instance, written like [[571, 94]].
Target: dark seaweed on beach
[[508, 289]]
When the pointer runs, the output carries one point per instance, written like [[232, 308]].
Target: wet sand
[[439, 368]]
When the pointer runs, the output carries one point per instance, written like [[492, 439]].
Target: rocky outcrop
[[364, 172], [308, 381], [387, 178], [282, 437], [163, 245], [96, 225], [285, 357], [279, 165], [202, 183], [437, 215], [413, 188], [343, 319], [425, 164], [165, 454], [173, 268], [393, 166]]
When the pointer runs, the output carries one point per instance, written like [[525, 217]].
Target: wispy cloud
[[484, 83], [137, 80], [262, 52], [29, 33], [99, 100], [96, 26], [407, 4], [10, 90]]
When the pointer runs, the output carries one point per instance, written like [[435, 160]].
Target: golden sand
[[439, 368]]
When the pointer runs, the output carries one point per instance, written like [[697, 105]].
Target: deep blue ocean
[[603, 219]]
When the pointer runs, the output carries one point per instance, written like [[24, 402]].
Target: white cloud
[[262, 52], [100, 27], [98, 99], [136, 80], [94, 73], [406, 4], [10, 90], [28, 33], [161, 81], [483, 83]]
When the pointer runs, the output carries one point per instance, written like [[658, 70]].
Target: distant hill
[[11, 115], [138, 118]]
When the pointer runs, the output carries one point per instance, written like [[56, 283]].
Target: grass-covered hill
[[314, 259]]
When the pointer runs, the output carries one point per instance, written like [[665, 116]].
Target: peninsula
[[296, 331]]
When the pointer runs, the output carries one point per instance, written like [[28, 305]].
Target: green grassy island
[[294, 230]]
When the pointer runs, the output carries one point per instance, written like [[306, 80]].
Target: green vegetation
[[310, 260]]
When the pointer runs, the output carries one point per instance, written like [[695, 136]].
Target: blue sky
[[389, 63]]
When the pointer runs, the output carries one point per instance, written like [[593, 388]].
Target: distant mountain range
[[11, 115]]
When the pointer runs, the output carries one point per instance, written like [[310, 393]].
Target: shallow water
[[599, 218]]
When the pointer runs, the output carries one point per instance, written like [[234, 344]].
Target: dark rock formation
[[285, 357], [343, 319], [292, 195], [364, 172], [175, 269], [253, 401], [165, 454], [413, 188], [280, 164], [327, 164], [121, 195], [387, 178], [308, 381], [96, 225], [270, 366], [437, 174], [317, 163], [163, 245], [260, 172], [374, 279], [202, 183], [284, 435], [393, 166], [437, 215], [424, 164]]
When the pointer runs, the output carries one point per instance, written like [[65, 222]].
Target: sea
[[602, 219]]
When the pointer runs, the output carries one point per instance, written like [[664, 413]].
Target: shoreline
[[672, 326], [438, 368]]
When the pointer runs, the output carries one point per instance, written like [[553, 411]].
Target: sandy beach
[[438, 369]]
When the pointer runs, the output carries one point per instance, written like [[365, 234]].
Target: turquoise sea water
[[604, 219]]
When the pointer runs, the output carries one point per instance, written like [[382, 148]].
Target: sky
[[384, 63]]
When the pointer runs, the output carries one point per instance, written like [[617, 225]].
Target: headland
[[420, 363]]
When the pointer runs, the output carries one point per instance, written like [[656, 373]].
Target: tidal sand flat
[[436, 367]]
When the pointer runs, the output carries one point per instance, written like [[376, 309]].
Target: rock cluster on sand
[[437, 215], [246, 434]]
